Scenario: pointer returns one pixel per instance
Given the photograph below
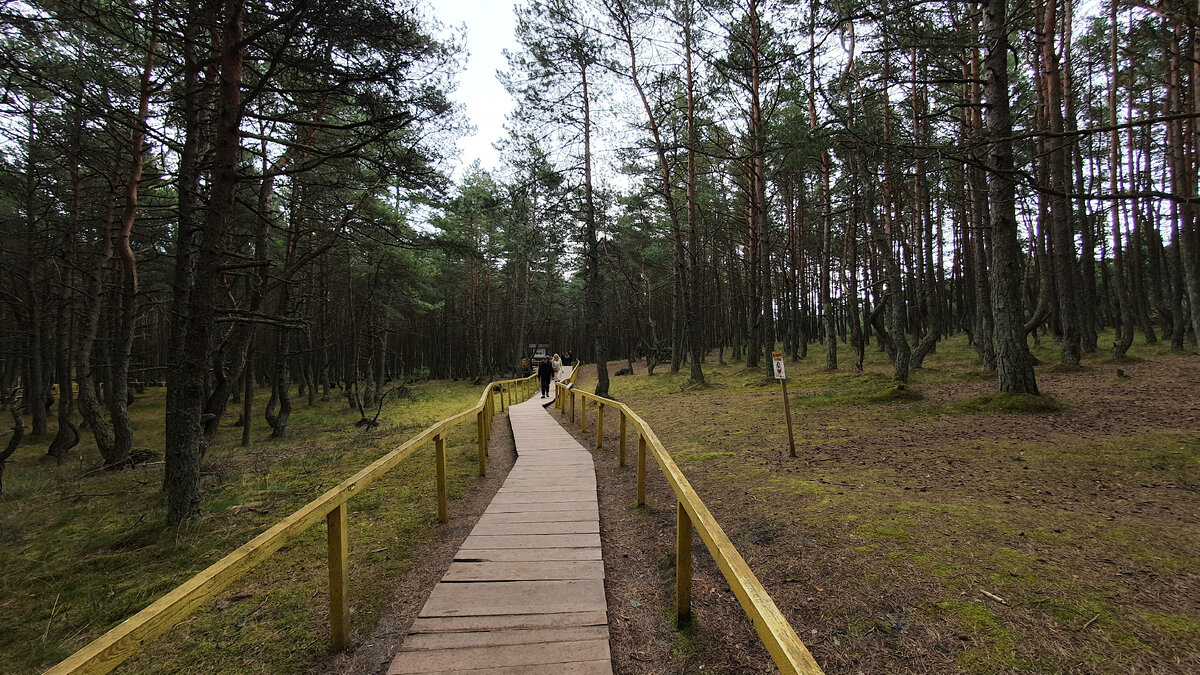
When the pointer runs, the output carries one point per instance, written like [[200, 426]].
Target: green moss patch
[[1002, 403]]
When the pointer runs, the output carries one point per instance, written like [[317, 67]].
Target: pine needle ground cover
[[949, 530], [80, 553]]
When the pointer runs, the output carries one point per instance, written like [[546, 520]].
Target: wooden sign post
[[777, 359]]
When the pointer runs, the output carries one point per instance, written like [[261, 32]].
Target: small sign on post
[[777, 358], [781, 375]]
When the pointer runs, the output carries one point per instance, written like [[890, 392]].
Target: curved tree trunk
[[18, 429], [184, 436]]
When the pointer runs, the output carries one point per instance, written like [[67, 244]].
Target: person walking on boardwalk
[[556, 361], [545, 374]]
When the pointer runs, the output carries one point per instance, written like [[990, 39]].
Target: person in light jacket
[[558, 364]]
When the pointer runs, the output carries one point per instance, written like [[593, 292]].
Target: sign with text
[[777, 358]]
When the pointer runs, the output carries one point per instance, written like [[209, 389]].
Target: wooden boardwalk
[[525, 593]]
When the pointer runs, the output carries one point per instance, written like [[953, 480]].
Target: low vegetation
[[81, 550], [947, 528]]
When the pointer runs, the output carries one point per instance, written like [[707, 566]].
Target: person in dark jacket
[[545, 374]]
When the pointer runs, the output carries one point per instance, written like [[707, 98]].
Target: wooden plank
[[549, 482], [538, 516], [508, 656], [441, 624], [554, 485], [496, 638], [517, 507], [515, 597], [484, 542], [563, 474], [528, 554], [577, 668], [491, 529], [554, 496], [540, 570]]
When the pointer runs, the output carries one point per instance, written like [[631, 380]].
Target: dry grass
[[880, 540], [80, 553]]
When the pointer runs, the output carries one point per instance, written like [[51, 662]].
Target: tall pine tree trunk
[[592, 280], [1013, 362]]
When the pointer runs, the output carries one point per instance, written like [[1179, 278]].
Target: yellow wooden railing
[[785, 647], [128, 638]]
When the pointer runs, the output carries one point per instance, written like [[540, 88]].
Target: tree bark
[[1062, 233], [123, 344], [593, 292], [1014, 366], [1124, 336], [184, 437]]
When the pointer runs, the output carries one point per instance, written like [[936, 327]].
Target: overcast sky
[[489, 25]]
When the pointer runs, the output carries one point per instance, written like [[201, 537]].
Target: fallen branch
[[995, 597], [374, 421], [108, 467]]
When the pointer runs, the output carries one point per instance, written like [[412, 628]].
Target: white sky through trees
[[489, 30]]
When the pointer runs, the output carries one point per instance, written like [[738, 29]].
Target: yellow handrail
[[777, 635], [130, 636]]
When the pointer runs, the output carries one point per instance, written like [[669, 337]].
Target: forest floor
[[81, 550], [945, 531]]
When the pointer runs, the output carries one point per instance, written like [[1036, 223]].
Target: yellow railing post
[[599, 424], [339, 575], [683, 565], [572, 406], [621, 455], [482, 438], [641, 470], [502, 397], [439, 444], [582, 413]]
